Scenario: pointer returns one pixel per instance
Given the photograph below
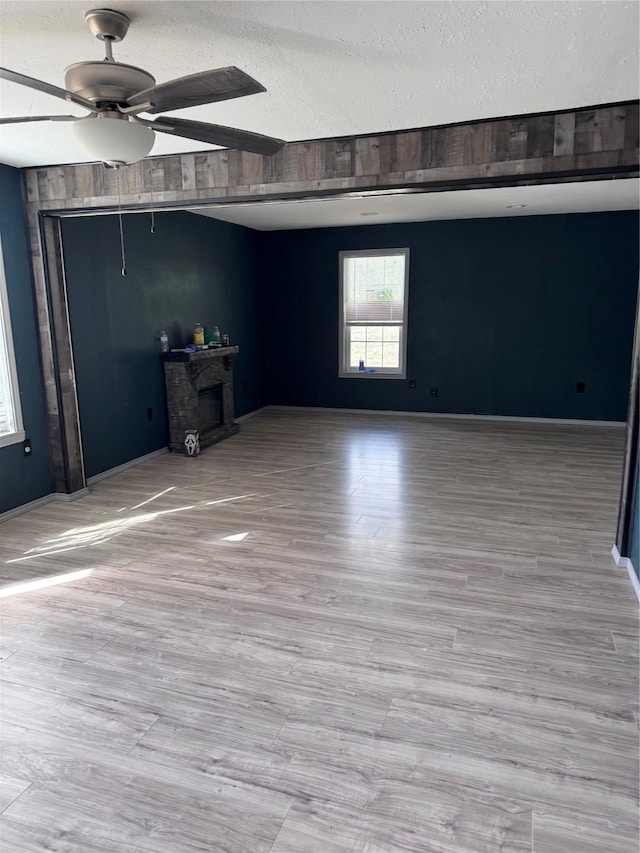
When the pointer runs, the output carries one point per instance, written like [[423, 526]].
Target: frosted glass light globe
[[115, 140]]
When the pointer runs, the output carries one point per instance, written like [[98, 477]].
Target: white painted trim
[[126, 465], [18, 510], [250, 414], [453, 416], [618, 559], [73, 496], [625, 563], [380, 373], [7, 334], [634, 577], [46, 499], [10, 438]]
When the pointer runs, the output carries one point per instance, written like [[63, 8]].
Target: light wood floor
[[329, 634]]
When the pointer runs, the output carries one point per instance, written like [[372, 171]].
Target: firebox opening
[[210, 408]]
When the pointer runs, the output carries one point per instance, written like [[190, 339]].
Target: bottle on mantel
[[198, 335], [215, 335]]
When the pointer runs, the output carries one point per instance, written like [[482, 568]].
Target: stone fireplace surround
[[187, 375]]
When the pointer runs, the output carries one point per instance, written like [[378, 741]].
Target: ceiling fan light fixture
[[113, 138]]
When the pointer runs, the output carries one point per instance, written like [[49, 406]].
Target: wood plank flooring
[[328, 634]]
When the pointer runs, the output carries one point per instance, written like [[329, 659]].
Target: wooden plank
[[367, 156], [517, 139], [478, 144], [336, 158], [212, 169], [274, 167], [188, 171], [585, 132], [452, 147], [172, 168], [251, 168], [565, 126], [309, 161], [609, 129], [433, 149], [290, 164], [408, 152], [541, 136], [631, 128], [51, 183], [500, 131]]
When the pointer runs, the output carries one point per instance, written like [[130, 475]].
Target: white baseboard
[[512, 418], [634, 577], [73, 496], [250, 414], [11, 513], [131, 464], [618, 559], [625, 563], [46, 499]]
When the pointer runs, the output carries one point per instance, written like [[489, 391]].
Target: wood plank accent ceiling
[[584, 144]]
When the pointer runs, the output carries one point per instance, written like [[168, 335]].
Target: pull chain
[[124, 263], [153, 213]]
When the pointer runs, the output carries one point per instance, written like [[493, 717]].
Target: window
[[10, 415], [373, 313]]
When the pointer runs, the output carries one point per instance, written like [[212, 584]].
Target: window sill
[[12, 438], [362, 374]]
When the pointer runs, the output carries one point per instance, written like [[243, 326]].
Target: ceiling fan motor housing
[[106, 81], [107, 24]]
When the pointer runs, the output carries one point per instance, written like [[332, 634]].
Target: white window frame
[[346, 372], [5, 318]]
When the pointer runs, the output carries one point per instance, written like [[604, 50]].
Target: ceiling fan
[[116, 94]]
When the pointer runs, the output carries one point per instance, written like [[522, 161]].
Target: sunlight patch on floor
[[43, 583]]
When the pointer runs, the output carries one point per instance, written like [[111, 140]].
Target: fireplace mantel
[[189, 376]]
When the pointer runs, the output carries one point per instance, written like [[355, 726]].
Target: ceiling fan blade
[[21, 119], [215, 134], [205, 87], [47, 88]]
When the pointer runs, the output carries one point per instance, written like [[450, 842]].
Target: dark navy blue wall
[[22, 478], [505, 315], [193, 269]]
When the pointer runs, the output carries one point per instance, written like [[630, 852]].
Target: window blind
[[374, 289]]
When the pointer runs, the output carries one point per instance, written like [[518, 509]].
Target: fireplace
[[209, 409], [200, 395]]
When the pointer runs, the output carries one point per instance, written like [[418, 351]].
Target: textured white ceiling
[[331, 68], [581, 197]]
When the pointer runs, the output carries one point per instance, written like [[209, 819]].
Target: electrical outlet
[[434, 392], [581, 387], [412, 383]]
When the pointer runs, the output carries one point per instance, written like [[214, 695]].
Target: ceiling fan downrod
[[108, 50]]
